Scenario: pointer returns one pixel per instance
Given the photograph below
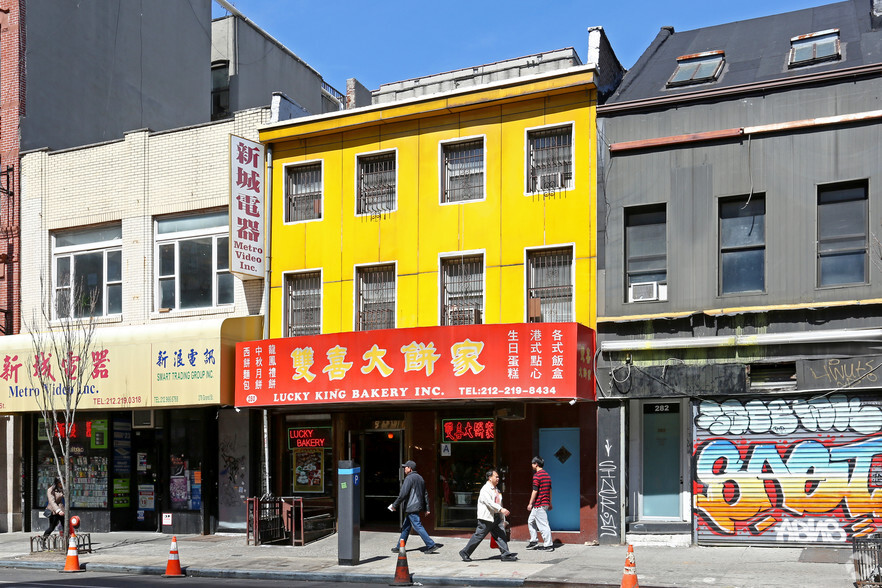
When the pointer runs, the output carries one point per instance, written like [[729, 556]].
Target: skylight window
[[697, 68], [814, 48]]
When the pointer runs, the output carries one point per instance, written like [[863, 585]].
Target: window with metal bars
[[303, 192], [462, 290], [463, 171], [376, 298], [376, 184], [303, 293], [550, 159], [550, 285]]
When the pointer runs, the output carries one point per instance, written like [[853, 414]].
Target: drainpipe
[[828, 336], [266, 299]]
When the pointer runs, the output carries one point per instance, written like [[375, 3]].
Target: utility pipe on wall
[[268, 230], [831, 336]]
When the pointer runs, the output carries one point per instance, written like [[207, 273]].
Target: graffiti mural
[[788, 470]]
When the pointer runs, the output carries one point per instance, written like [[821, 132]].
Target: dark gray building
[[95, 70], [741, 282]]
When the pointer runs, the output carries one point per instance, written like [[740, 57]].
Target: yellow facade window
[[376, 183], [550, 159]]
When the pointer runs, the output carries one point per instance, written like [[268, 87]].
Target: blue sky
[[386, 41]]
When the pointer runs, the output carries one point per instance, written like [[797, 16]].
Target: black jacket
[[413, 494]]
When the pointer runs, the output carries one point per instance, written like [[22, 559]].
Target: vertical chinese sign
[[247, 209]]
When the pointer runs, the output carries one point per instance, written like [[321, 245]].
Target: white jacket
[[489, 502]]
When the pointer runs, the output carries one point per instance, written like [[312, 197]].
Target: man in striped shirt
[[540, 503]]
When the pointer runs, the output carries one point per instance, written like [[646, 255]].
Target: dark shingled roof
[[756, 50]]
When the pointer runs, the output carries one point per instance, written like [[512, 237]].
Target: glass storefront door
[[147, 487], [661, 447], [381, 459]]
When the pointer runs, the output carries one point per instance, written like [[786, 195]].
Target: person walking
[[54, 504], [539, 505], [491, 519], [415, 498]]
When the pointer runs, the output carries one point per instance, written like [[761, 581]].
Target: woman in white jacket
[[491, 519], [54, 506]]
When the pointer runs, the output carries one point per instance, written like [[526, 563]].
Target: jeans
[[538, 521], [54, 521], [494, 528], [412, 519]]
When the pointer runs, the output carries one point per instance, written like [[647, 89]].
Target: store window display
[[467, 453]]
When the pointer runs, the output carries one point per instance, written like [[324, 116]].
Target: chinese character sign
[[467, 430], [246, 208], [468, 362]]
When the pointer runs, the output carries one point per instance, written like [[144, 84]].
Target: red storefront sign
[[467, 430], [469, 362], [309, 437]]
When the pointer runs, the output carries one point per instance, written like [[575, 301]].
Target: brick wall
[[131, 181], [12, 93]]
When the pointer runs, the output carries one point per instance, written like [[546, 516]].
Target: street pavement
[[228, 556]]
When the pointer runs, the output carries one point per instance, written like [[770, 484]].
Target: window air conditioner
[[643, 292], [551, 181], [142, 419], [534, 309], [463, 316]]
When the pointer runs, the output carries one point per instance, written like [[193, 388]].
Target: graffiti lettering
[[609, 499], [810, 478], [782, 417], [811, 530], [843, 372]]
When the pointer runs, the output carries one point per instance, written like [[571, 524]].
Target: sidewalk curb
[[280, 575]]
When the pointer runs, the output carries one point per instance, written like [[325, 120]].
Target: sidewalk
[[575, 565]]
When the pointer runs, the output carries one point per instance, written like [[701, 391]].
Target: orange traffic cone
[[72, 563], [173, 568], [402, 573], [629, 578]]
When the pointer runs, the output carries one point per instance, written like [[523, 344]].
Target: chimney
[[876, 14], [356, 94]]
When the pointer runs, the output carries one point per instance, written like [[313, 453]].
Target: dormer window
[[814, 48], [697, 68]]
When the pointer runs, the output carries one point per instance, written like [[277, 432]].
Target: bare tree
[[61, 371]]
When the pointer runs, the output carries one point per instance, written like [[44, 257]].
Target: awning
[[181, 364]]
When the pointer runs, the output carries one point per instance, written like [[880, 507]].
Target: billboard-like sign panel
[[470, 362], [247, 210], [155, 366]]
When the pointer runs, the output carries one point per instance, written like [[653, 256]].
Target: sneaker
[[545, 548], [510, 557], [464, 556], [532, 544], [431, 549], [395, 550]]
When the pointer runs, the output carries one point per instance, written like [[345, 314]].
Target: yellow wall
[[502, 226]]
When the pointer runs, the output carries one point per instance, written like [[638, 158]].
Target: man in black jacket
[[415, 499]]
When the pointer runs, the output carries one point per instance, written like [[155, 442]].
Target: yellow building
[[457, 208]]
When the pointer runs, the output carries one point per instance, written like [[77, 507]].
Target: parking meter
[[348, 512]]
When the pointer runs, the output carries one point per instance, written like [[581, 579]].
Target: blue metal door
[[560, 450]]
